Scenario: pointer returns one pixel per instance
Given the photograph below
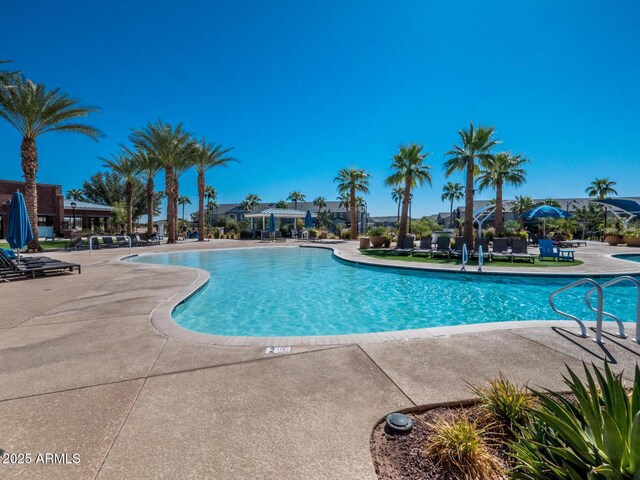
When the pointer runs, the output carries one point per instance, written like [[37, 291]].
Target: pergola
[[277, 213], [624, 208]]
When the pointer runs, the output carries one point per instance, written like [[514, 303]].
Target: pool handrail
[[465, 257], [583, 328], [480, 259], [127, 237], [623, 278]]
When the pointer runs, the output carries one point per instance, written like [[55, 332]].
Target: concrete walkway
[[82, 371]]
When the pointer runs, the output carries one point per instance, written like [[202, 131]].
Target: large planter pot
[[377, 240], [632, 241], [324, 235], [612, 240], [364, 242]]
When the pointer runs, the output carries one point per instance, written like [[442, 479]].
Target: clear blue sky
[[303, 88]]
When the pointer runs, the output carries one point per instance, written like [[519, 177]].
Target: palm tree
[[453, 192], [296, 197], [5, 76], [601, 188], [397, 194], [167, 144], [496, 170], [126, 166], [183, 200], [33, 110], [410, 171], [207, 156], [75, 194], [149, 166], [250, 202], [520, 205], [320, 202], [475, 144], [552, 202], [352, 180]]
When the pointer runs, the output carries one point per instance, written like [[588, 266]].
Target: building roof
[[87, 206], [226, 208], [278, 212]]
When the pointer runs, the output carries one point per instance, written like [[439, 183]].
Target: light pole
[[363, 214], [410, 204], [73, 212]]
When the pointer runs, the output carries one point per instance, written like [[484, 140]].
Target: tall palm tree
[[74, 194], [601, 188], [281, 204], [149, 166], [212, 197], [397, 194], [351, 181], [34, 110], [475, 145], [166, 143], [127, 167], [520, 205], [497, 170], [205, 157], [296, 197], [453, 192], [410, 171], [251, 201], [320, 202], [183, 200]]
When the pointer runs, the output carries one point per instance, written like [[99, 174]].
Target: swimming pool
[[632, 257], [303, 291]]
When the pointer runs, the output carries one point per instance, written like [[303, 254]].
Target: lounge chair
[[122, 241], [500, 249], [265, 236], [426, 246], [153, 239], [443, 247], [313, 236], [76, 244], [279, 238], [519, 251], [484, 243], [107, 242], [548, 250], [9, 267], [458, 246], [406, 248]]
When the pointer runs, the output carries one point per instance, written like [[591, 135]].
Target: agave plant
[[595, 437]]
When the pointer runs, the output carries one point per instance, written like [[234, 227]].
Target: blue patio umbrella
[[19, 233], [272, 223], [307, 220], [544, 212]]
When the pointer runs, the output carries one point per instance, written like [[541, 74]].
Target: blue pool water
[[302, 291], [631, 257]]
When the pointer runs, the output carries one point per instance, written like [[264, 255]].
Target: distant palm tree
[[601, 188], [410, 171], [205, 157], [183, 200], [75, 194], [212, 196], [452, 192], [281, 204], [496, 170], [296, 197], [250, 202], [166, 143], [33, 110], [552, 202], [475, 145], [352, 180], [149, 167], [320, 202], [397, 194], [126, 167], [520, 205]]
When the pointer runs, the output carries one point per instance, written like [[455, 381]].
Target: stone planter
[[324, 235], [632, 241], [612, 240], [377, 241], [364, 242]]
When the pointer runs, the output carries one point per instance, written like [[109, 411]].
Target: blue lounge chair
[[548, 250]]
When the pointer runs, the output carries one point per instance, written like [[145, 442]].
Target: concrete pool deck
[[83, 371]]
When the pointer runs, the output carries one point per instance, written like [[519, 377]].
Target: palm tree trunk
[[352, 206], [29, 156], [176, 193], [498, 221], [169, 187], [399, 203], [201, 206], [402, 229], [128, 192], [451, 214], [150, 193], [468, 205]]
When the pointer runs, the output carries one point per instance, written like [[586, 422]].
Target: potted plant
[[612, 236], [632, 237], [376, 236]]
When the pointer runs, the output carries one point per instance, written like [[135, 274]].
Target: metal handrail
[[583, 328], [480, 258], [624, 278], [98, 236], [465, 257]]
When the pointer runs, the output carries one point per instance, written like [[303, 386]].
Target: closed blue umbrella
[[272, 223], [307, 220], [544, 212], [19, 233]]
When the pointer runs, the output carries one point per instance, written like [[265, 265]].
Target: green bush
[[387, 241], [377, 231], [511, 228], [632, 232], [523, 235], [345, 234], [489, 233], [595, 437], [614, 231]]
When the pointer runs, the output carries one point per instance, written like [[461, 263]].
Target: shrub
[[523, 235], [377, 231], [345, 234], [632, 232], [489, 233], [459, 446], [511, 228], [614, 231], [387, 241], [595, 437], [508, 403]]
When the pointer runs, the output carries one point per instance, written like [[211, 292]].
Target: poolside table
[[566, 255]]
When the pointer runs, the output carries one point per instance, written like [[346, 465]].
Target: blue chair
[[548, 250]]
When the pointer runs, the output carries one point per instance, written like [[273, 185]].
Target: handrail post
[[465, 257], [598, 338], [91, 244], [480, 259], [128, 238]]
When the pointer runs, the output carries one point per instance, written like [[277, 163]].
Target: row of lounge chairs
[[11, 266], [266, 236], [113, 241]]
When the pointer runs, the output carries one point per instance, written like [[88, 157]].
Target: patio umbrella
[[19, 233], [272, 223], [544, 212], [307, 220]]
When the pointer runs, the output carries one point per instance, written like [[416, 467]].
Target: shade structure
[[19, 232], [307, 220], [544, 212], [272, 223]]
